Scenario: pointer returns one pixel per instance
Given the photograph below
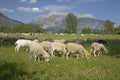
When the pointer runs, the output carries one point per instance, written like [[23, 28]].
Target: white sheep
[[60, 47], [37, 50], [59, 41], [23, 43], [76, 48], [97, 47], [47, 46]]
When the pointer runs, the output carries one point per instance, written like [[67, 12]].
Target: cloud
[[57, 13], [23, 0], [84, 15], [62, 0], [33, 1], [28, 9], [29, 1], [6, 10], [56, 8], [78, 15], [85, 1]]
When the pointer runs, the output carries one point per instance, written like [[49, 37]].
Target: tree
[[117, 30], [28, 28], [86, 31], [71, 23], [109, 27]]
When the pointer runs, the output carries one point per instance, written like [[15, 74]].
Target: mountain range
[[55, 22], [8, 22]]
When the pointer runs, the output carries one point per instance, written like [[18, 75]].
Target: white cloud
[[23, 0], [84, 15], [28, 9], [56, 8], [86, 1], [33, 1], [62, 0], [57, 13], [6, 10], [29, 1], [65, 13]]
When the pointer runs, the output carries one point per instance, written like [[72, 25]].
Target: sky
[[26, 10]]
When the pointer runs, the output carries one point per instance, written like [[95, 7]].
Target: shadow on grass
[[11, 71]]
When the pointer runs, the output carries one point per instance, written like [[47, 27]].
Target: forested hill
[[8, 22]]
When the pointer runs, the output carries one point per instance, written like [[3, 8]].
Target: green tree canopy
[[109, 27], [86, 31], [71, 23], [27, 28]]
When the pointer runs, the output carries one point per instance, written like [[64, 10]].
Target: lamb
[[77, 48], [60, 47], [97, 47], [37, 50], [23, 43]]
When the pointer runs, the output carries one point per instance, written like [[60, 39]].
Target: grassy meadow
[[19, 66]]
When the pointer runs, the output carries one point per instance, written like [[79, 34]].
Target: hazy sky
[[26, 10]]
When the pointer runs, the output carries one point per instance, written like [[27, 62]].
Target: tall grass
[[18, 66]]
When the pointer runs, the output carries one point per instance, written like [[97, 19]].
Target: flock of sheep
[[47, 49]]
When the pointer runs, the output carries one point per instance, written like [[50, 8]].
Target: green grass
[[19, 66]]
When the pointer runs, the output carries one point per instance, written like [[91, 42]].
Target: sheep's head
[[88, 55], [47, 58], [106, 51]]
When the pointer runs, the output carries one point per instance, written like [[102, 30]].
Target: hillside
[[56, 22], [8, 22]]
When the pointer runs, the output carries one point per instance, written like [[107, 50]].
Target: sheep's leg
[[26, 50], [91, 51], [94, 53], [99, 53], [77, 55], [38, 58], [52, 53], [30, 55], [82, 55], [64, 53], [67, 54], [35, 57], [17, 48]]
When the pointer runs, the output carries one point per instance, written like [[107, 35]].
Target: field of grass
[[19, 66]]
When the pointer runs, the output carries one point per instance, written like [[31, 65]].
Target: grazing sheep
[[59, 41], [76, 48], [23, 43], [46, 46], [102, 41], [37, 50], [60, 47], [97, 47], [48, 39]]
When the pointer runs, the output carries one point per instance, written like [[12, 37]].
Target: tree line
[[23, 28], [71, 27]]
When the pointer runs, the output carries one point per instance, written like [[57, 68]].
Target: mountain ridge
[[8, 22], [56, 22]]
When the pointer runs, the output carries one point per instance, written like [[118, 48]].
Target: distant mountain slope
[[8, 22], [56, 22]]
